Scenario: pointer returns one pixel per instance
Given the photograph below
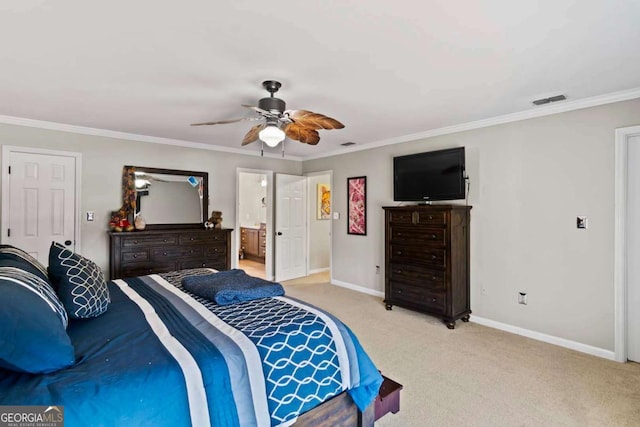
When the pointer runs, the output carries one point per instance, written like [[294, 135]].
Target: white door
[[633, 250], [41, 206], [290, 228]]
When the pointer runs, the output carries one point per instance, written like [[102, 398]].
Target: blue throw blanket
[[232, 286]]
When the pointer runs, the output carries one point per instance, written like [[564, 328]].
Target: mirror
[[169, 198]]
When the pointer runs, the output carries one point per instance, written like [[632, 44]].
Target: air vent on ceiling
[[346, 144], [543, 101]]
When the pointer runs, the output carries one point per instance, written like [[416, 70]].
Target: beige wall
[[319, 229], [102, 162], [529, 181]]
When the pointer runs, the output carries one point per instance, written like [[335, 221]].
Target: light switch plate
[[90, 215], [581, 222]]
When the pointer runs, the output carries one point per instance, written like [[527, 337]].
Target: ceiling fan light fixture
[[271, 135]]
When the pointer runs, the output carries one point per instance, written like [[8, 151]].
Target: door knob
[[279, 233], [68, 242]]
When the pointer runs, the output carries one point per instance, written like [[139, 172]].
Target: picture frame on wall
[[323, 196], [357, 205]]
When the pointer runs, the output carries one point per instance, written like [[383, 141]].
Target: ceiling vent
[[346, 144], [543, 101]]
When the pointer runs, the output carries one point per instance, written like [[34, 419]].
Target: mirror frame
[[205, 196]]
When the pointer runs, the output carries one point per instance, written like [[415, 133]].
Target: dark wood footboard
[[340, 411]]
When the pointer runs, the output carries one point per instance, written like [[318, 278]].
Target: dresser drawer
[[218, 264], [171, 252], [418, 217], [146, 241], [202, 237], [137, 256], [432, 218], [417, 276], [408, 294], [435, 257], [422, 236], [144, 269]]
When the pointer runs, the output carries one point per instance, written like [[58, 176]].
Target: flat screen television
[[434, 175]]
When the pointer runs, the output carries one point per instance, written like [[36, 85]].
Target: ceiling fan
[[276, 122]]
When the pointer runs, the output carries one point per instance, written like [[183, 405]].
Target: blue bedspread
[[164, 357], [231, 287]]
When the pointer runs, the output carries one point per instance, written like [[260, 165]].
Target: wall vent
[[543, 101]]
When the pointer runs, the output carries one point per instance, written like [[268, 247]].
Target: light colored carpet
[[475, 375]]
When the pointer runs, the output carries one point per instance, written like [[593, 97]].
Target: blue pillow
[[79, 282], [33, 323], [10, 253]]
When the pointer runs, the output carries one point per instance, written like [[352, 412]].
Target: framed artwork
[[357, 205], [323, 195]]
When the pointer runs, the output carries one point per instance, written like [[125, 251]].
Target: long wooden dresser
[[138, 253], [427, 260]]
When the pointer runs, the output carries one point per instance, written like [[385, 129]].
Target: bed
[[161, 355]]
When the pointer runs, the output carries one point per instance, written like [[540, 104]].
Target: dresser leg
[[465, 318], [450, 325], [388, 306]]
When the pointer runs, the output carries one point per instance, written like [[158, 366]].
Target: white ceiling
[[386, 69]]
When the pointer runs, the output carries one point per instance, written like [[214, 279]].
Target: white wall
[[102, 162], [529, 181], [319, 229], [252, 211]]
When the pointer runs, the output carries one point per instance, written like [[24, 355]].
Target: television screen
[[434, 175]]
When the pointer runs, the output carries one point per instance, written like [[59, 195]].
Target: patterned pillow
[[32, 324], [79, 282], [11, 253]]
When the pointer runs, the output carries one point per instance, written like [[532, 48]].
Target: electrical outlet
[[522, 298]]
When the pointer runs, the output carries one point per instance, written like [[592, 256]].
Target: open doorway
[[254, 222]]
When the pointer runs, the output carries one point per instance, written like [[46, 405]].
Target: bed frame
[[337, 411]]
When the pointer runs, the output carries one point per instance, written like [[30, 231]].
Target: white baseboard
[[573, 345], [318, 270], [357, 288]]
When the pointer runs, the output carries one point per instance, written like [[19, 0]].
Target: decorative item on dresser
[[159, 251], [427, 260]]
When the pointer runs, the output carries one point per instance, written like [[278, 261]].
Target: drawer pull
[[135, 255], [433, 278], [398, 271], [430, 216], [204, 264], [191, 238], [164, 240], [433, 300], [398, 252], [433, 257], [164, 253], [135, 242], [433, 236]]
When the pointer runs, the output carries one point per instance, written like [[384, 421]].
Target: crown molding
[[544, 110], [40, 124]]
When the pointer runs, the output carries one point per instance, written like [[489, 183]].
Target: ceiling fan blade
[[220, 122], [261, 111], [252, 135], [301, 133], [313, 120]]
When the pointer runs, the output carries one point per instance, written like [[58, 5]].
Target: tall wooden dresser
[[138, 253], [427, 260]]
